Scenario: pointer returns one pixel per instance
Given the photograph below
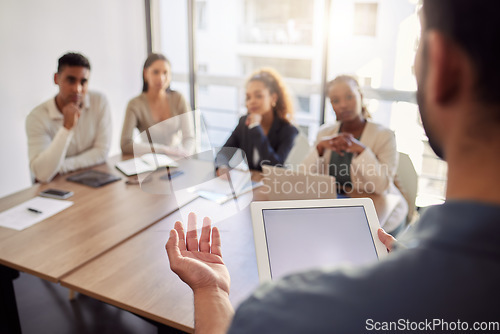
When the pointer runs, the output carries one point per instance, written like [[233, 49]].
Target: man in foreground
[[447, 277], [71, 130]]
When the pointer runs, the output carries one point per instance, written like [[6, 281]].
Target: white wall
[[33, 35]]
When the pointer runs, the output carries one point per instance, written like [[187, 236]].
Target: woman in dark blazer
[[265, 134]]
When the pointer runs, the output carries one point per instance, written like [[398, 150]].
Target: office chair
[[299, 151]]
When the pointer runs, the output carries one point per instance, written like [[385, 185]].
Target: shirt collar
[[54, 113], [86, 101]]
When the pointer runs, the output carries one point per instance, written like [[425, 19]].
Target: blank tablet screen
[[304, 238]]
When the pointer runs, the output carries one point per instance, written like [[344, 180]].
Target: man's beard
[[437, 148]]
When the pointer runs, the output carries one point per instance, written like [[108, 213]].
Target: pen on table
[[34, 210]]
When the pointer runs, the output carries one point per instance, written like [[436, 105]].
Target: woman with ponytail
[[161, 115]]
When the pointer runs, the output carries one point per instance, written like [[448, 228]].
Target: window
[[365, 19], [278, 22], [282, 34], [288, 68], [304, 103], [201, 15], [173, 41], [374, 40]]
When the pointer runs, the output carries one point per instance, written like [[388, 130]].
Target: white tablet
[[293, 236]]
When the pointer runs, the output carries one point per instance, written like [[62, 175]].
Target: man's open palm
[[198, 263]]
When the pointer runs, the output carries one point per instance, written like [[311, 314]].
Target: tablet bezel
[[259, 233]]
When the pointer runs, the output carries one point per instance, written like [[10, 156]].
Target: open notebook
[[146, 163]]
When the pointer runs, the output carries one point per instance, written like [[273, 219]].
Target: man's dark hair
[[471, 24], [72, 59]]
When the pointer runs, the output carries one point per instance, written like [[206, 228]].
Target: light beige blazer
[[371, 171]]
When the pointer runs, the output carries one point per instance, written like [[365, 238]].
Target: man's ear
[[56, 78], [444, 68]]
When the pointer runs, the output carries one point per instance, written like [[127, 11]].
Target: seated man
[[446, 279], [71, 130]]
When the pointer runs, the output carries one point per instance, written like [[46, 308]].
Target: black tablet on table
[[93, 178]]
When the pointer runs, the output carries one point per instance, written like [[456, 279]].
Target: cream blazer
[[372, 171]]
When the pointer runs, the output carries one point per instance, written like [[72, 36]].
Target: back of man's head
[[471, 24], [72, 59]]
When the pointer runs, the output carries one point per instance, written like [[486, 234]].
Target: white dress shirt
[[54, 149]]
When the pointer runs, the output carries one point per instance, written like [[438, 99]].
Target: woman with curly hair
[[265, 134]]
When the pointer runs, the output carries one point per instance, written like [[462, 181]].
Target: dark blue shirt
[[273, 149]]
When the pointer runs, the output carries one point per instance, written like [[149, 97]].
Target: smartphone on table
[[55, 193]]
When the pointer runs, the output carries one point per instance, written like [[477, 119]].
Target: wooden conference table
[[136, 275], [110, 244], [98, 220], [151, 289]]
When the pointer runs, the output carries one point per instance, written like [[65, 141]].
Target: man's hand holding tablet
[[387, 239]]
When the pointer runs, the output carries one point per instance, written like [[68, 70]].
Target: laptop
[[282, 184]]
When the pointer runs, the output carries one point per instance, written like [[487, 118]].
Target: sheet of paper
[[217, 213], [220, 185], [219, 189], [20, 217]]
